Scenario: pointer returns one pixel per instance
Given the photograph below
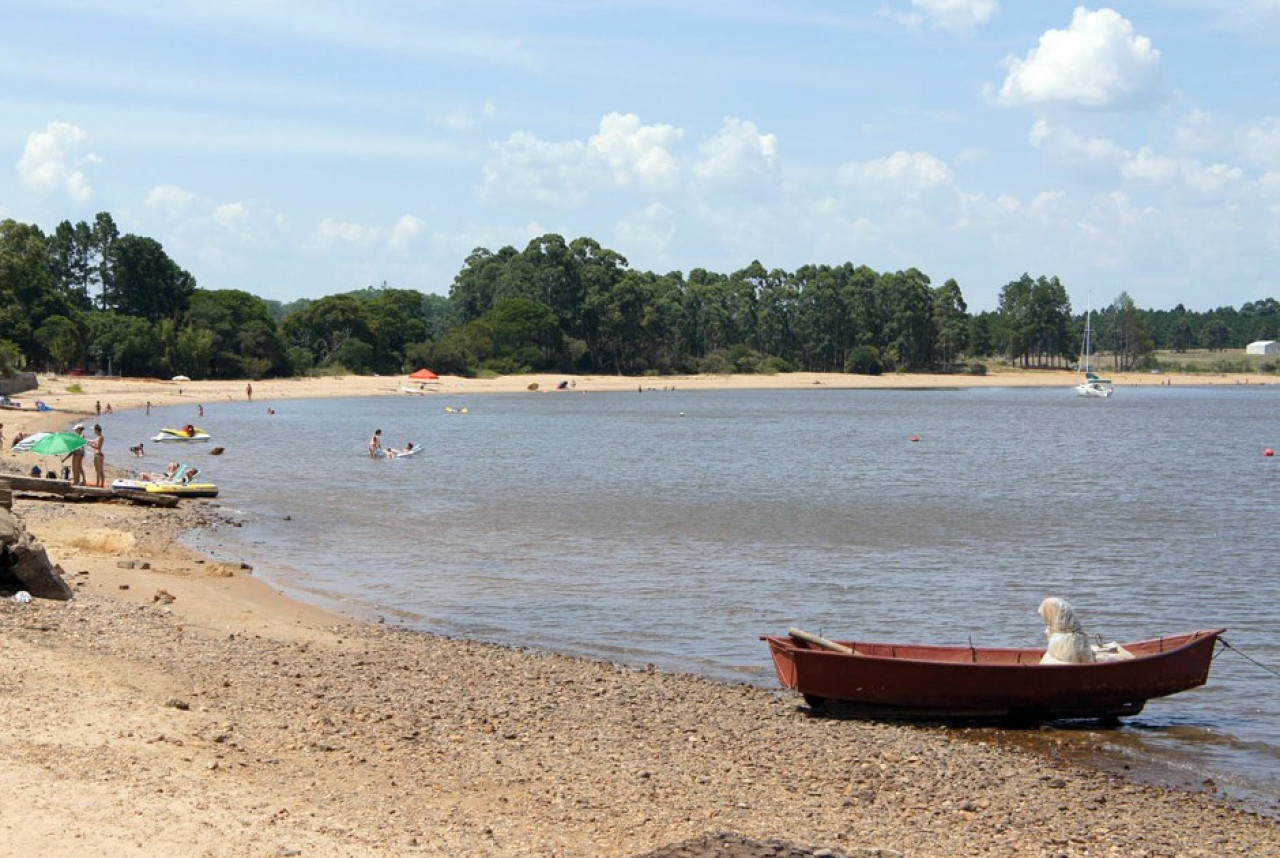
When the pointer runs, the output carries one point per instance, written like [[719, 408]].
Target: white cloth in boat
[[1068, 644]]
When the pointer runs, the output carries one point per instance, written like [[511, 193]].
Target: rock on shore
[[24, 563]]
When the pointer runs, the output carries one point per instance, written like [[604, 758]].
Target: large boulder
[[25, 565], [11, 528]]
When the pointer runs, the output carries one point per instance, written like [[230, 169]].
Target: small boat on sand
[[939, 683]]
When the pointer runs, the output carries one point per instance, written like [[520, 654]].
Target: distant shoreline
[[121, 393]]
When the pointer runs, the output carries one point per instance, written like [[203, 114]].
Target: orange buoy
[[915, 437], [1268, 452]]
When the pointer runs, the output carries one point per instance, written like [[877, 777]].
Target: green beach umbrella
[[58, 444]]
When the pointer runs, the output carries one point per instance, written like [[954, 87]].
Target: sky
[[302, 148]]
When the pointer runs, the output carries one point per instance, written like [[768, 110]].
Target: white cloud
[[899, 172], [958, 15], [623, 153], [338, 235], [1198, 131], [1149, 167], [1260, 142], [1097, 63], [1253, 15], [636, 152], [739, 155], [464, 119], [170, 199], [549, 173], [1069, 147], [231, 216], [333, 233], [406, 232], [54, 160], [1144, 165], [1212, 179], [653, 229], [1269, 185]]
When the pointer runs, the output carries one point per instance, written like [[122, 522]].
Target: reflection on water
[[629, 526]]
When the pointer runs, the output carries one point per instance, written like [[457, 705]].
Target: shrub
[[864, 360]]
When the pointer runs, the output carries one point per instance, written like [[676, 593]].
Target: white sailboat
[[1091, 385]]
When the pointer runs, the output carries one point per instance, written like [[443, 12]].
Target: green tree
[[10, 358], [25, 283], [523, 333], [908, 335], [247, 341], [823, 324], [141, 280], [324, 326], [1125, 332], [195, 352], [60, 338], [950, 320], [126, 345], [396, 319], [1034, 322], [1215, 335]]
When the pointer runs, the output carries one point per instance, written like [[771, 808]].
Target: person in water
[[375, 444]]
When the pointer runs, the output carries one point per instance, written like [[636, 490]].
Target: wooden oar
[[818, 641]]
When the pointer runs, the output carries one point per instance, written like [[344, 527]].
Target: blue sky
[[299, 149]]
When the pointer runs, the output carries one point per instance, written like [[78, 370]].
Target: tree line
[[86, 297]]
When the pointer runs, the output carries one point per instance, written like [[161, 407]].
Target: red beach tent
[[423, 374]]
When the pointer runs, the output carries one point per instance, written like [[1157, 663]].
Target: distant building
[[1263, 347]]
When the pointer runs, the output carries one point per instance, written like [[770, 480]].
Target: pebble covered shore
[[368, 740]]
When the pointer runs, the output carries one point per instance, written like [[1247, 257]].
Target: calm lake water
[[674, 528]]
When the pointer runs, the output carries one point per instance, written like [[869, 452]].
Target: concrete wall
[[21, 382]]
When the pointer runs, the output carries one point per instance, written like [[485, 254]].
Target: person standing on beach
[[248, 391], [77, 459], [99, 459], [375, 444]]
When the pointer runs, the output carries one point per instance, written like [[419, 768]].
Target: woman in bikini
[[99, 460]]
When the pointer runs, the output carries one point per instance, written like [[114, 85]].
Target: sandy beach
[[180, 706]]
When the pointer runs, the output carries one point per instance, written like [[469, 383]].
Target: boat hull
[[885, 680], [190, 490], [1093, 389]]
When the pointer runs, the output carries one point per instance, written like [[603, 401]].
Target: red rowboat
[[887, 680]]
